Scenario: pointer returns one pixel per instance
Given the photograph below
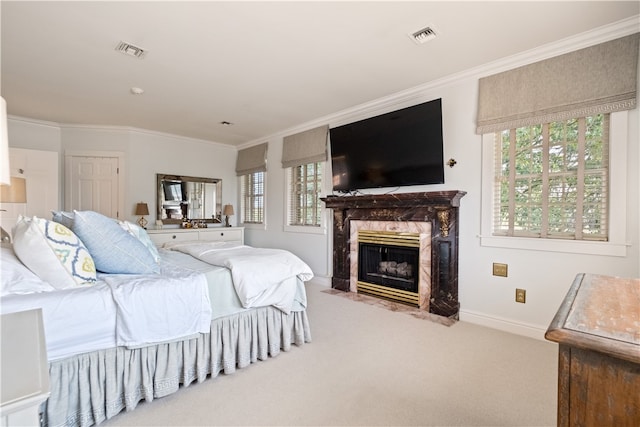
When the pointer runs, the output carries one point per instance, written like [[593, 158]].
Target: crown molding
[[115, 128], [422, 92]]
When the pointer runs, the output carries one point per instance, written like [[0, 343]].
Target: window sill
[[305, 229], [253, 226], [556, 245]]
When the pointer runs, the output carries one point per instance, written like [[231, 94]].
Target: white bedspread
[[258, 273], [152, 308]]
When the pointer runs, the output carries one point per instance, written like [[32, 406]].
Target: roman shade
[[252, 159], [598, 79], [305, 147]]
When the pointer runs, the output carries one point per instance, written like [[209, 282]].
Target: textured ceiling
[[264, 66]]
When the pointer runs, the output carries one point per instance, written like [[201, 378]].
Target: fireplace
[[432, 216], [388, 265]]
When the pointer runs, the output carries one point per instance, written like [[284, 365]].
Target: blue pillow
[[64, 218], [112, 248], [140, 234]]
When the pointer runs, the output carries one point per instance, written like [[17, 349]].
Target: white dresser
[[220, 234]]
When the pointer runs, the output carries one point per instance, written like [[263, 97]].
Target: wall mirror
[[188, 197]]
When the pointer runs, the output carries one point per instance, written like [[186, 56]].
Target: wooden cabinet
[[40, 170], [221, 234], [598, 329]]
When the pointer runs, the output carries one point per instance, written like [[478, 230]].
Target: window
[[252, 198], [552, 180], [305, 186]]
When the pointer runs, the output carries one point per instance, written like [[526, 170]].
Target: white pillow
[[139, 233], [53, 252], [16, 278]]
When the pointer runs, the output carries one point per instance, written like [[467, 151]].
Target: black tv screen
[[395, 149]]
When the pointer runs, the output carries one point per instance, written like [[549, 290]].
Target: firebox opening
[[388, 265]]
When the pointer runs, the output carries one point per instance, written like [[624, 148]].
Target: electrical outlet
[[500, 269], [521, 295]]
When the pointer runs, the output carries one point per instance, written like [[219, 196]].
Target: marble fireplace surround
[[435, 214], [424, 269]]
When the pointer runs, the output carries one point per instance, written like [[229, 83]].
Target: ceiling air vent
[[131, 50], [424, 35]]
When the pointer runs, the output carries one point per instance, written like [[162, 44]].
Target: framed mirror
[[188, 197]]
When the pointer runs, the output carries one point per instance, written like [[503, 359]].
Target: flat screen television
[[400, 148]]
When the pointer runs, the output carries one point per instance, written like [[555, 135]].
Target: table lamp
[[16, 192], [142, 209], [227, 212]]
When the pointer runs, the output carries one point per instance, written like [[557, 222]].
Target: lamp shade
[[14, 193], [142, 209], [4, 144], [228, 210]]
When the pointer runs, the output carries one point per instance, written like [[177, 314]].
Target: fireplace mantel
[[440, 208]]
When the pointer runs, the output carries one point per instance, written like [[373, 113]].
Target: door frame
[[69, 154]]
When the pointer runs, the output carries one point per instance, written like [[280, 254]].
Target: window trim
[[252, 225], [308, 229], [617, 244]]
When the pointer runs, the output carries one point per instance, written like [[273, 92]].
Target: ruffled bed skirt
[[89, 388]]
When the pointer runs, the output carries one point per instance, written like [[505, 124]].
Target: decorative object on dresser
[[418, 231], [141, 210], [228, 211], [599, 355]]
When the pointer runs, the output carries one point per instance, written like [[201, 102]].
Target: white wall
[[484, 298], [145, 154]]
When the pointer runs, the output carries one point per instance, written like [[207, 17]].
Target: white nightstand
[[25, 372]]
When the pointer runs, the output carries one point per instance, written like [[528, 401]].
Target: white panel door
[[92, 184]]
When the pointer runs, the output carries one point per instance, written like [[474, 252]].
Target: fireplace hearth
[[433, 216]]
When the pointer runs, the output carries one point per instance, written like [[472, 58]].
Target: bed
[[124, 338]]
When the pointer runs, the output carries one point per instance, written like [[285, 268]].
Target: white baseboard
[[506, 325], [527, 330]]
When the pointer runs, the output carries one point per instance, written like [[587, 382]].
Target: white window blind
[[552, 180], [252, 197], [305, 186]]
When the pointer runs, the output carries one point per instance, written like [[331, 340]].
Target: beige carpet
[[372, 366]]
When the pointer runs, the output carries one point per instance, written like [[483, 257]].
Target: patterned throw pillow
[[113, 249], [53, 252]]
